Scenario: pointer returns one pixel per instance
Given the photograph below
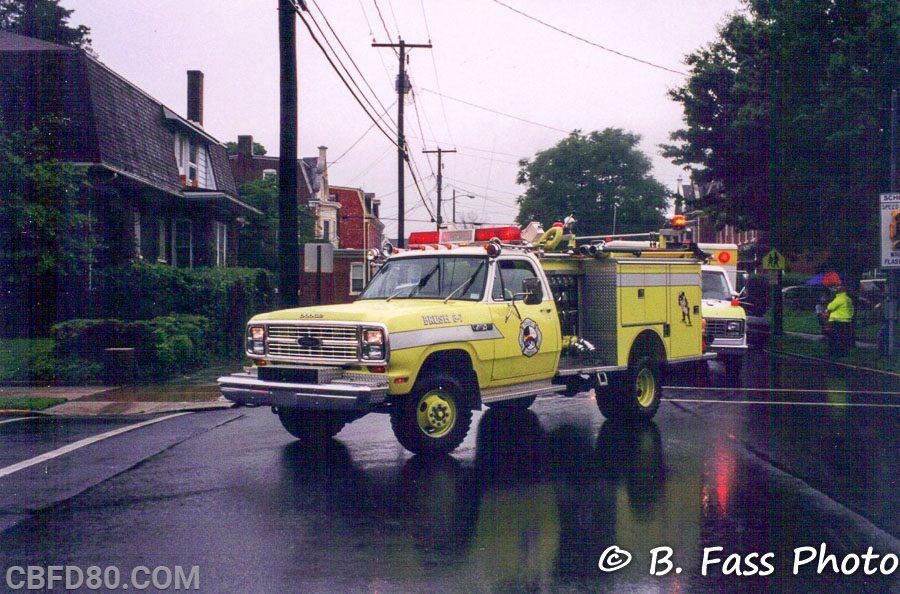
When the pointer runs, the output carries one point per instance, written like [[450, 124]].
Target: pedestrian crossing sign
[[774, 260]]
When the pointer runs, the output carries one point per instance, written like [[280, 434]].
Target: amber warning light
[[679, 221]]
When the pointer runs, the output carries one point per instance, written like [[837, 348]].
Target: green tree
[[231, 148], [787, 119], [258, 241], [47, 240], [596, 177], [43, 19]]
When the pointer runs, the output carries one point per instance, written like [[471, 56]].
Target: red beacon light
[[423, 238], [504, 234], [724, 257]]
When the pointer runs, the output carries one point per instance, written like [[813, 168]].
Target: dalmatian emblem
[[529, 337]]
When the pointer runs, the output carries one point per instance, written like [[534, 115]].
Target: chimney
[[195, 96], [323, 167], [245, 145]]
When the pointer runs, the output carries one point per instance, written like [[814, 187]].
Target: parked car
[[804, 297]]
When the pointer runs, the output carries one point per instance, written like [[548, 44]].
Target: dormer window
[[193, 162]]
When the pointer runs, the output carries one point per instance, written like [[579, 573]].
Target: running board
[[525, 390]]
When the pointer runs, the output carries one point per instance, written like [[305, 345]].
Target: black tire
[[434, 419], [514, 404], [733, 366], [311, 426], [634, 394]]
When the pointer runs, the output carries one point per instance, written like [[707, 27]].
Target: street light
[[454, 202]]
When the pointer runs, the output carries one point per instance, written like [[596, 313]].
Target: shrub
[[163, 346], [227, 297]]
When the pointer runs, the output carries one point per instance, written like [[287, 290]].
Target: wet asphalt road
[[529, 502]]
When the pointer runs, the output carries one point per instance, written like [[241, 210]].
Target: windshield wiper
[[422, 282], [466, 284]]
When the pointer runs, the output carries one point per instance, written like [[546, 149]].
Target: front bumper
[[352, 392], [728, 346]]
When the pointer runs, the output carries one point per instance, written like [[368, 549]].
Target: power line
[[352, 61], [358, 140], [470, 104], [588, 41], [341, 76], [437, 80]]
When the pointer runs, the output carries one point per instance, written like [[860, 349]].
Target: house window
[[161, 243], [182, 243], [267, 173], [357, 281], [136, 215], [192, 159], [193, 169], [221, 243], [326, 230]]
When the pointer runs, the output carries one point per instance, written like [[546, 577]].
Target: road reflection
[[533, 509]]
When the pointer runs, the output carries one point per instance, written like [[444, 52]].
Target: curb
[[830, 362]]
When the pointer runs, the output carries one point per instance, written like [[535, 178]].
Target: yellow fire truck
[[444, 328]]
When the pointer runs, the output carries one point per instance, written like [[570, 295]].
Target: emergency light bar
[[506, 234]]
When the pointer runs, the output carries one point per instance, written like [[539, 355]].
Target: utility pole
[[893, 275], [288, 245], [440, 181], [402, 86]]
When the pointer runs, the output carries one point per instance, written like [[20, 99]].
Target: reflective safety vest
[[841, 308]]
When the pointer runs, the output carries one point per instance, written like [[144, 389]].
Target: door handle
[[546, 310]]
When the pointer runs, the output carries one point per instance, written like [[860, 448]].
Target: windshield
[[715, 286], [429, 278]]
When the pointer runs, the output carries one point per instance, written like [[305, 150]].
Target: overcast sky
[[483, 54]]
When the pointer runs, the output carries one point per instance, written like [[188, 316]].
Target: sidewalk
[[197, 391]]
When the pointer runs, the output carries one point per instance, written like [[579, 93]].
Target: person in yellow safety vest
[[839, 313]]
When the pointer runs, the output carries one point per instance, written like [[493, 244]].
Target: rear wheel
[[434, 418], [311, 425], [634, 394]]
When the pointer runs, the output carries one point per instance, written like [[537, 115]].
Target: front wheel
[[634, 394], [311, 425], [434, 418]]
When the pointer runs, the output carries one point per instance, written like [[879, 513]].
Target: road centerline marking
[[781, 402], [785, 390], [81, 443], [17, 419]]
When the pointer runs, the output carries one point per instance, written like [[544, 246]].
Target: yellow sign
[[774, 260]]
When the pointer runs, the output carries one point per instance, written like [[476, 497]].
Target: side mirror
[[534, 291]]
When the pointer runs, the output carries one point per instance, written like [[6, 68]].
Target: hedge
[[227, 297], [164, 346]]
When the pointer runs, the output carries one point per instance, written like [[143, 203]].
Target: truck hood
[[715, 308], [397, 314]]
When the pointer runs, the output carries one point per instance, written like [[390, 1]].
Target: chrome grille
[[718, 328], [337, 343]]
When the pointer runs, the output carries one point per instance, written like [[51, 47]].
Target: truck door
[[529, 348]]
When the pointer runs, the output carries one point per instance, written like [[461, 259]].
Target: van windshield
[[430, 278], [715, 286]]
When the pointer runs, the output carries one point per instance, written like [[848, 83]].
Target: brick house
[[162, 190], [347, 218], [360, 230], [312, 183]]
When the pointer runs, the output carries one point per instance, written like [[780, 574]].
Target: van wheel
[[311, 425], [733, 366], [634, 394], [434, 419]]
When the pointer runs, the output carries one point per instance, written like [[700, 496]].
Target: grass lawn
[[18, 355], [808, 323], [29, 403], [811, 348]]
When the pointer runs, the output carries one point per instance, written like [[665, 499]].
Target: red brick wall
[[335, 286]]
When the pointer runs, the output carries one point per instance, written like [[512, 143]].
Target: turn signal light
[[377, 368]]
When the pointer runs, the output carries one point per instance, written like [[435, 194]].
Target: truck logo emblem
[[685, 308], [529, 337], [309, 342]]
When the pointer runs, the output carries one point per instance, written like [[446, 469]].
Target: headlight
[[735, 327], [373, 344], [256, 340]]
